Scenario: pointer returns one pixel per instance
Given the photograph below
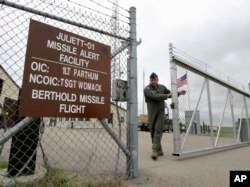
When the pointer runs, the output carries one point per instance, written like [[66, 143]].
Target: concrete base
[[6, 181]]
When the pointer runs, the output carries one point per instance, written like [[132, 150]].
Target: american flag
[[182, 81]]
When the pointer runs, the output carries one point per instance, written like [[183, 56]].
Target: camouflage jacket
[[155, 96]]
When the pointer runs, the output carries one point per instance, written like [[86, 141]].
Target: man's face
[[154, 81]]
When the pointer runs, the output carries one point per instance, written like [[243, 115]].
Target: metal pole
[[132, 161], [120, 134], [120, 49], [239, 128], [11, 132], [189, 103], [232, 112], [210, 112], [115, 137], [175, 110]]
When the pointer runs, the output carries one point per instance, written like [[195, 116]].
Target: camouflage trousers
[[156, 125]]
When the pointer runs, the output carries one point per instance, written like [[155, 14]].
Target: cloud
[[215, 32], [222, 40]]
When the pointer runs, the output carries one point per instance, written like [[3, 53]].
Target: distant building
[[9, 92], [8, 87], [196, 125]]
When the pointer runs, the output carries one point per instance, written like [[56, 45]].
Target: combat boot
[[154, 155], [160, 153]]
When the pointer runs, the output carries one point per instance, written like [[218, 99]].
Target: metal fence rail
[[86, 146], [213, 114]]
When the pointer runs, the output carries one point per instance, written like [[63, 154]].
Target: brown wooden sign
[[65, 75]]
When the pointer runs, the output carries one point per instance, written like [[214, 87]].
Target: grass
[[226, 132], [58, 178], [3, 165]]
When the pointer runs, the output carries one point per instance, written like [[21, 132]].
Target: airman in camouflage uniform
[[155, 94]]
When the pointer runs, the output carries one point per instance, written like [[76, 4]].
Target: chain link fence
[[83, 146], [213, 113]]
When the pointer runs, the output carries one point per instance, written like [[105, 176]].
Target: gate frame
[[175, 61]]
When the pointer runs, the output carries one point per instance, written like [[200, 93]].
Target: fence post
[[175, 109], [132, 139]]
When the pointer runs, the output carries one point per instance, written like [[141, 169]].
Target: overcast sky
[[217, 32]]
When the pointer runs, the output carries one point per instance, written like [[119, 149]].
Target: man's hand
[[182, 92]]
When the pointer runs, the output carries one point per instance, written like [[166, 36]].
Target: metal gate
[[213, 115]]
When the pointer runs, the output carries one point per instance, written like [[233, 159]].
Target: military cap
[[153, 75]]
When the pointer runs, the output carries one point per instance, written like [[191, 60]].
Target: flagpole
[[143, 98]]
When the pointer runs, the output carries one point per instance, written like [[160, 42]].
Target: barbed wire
[[86, 7], [91, 9], [72, 9], [206, 66], [107, 8], [117, 5]]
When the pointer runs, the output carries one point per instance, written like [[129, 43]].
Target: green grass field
[[226, 132]]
